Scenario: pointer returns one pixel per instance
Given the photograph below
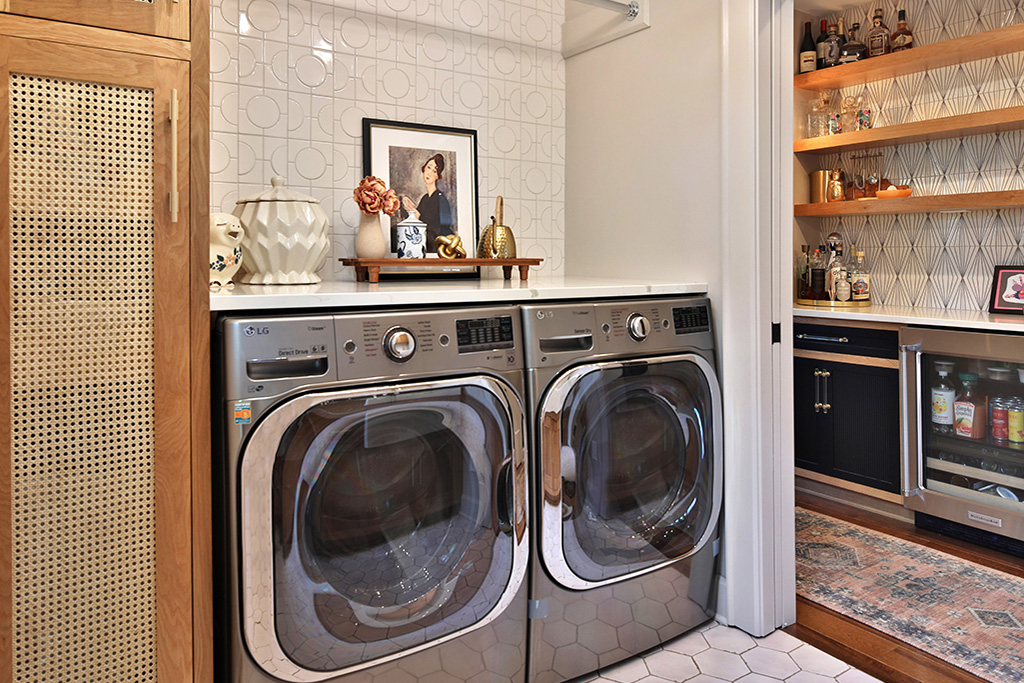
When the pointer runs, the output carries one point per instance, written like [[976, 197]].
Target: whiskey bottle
[[808, 51], [878, 36], [854, 50], [902, 38]]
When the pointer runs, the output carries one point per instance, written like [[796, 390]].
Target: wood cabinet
[[846, 405], [167, 18], [104, 494]]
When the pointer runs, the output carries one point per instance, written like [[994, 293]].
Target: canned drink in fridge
[[1000, 419], [1015, 422]]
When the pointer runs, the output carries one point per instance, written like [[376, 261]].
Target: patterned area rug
[[966, 614]]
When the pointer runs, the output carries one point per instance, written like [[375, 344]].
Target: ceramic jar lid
[[278, 193]]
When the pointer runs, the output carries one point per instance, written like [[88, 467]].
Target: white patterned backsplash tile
[[941, 260], [292, 82]]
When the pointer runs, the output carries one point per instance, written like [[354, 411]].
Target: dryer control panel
[[559, 334]]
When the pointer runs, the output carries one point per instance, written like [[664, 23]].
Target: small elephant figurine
[[226, 235]]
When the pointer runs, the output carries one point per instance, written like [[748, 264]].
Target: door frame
[[759, 568]]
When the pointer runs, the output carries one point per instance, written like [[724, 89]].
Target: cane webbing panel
[[82, 370]]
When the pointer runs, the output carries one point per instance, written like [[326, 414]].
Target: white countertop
[[935, 317], [349, 294]]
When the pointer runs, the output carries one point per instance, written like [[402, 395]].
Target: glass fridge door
[[971, 429]]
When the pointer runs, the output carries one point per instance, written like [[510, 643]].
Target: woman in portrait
[[433, 208]]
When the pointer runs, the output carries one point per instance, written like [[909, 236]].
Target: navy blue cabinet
[[846, 413]]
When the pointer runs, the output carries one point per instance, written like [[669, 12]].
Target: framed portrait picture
[[433, 170], [1007, 290]]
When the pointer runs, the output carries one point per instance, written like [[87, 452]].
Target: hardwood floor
[[869, 650]]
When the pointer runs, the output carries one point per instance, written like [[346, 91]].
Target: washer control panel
[[427, 341]]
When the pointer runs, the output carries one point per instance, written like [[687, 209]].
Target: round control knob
[[638, 326], [399, 344]]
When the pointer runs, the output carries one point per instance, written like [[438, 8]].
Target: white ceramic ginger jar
[[285, 237]]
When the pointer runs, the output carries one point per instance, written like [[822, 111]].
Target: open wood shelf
[[948, 202], [995, 121], [993, 43]]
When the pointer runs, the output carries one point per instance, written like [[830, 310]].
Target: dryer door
[[631, 467], [378, 522]]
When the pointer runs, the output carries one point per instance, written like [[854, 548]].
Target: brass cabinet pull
[[825, 406], [817, 390]]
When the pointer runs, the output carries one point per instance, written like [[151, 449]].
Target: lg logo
[[251, 331]]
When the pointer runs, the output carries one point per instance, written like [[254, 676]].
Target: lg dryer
[[371, 507], [627, 472]]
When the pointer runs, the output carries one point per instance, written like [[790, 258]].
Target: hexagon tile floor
[[716, 653]]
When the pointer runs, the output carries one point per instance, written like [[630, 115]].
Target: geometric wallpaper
[[941, 260], [293, 79]]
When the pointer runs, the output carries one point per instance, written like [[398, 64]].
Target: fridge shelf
[[975, 473], [972, 495], [1003, 451]]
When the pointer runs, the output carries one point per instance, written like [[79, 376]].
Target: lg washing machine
[[371, 497]]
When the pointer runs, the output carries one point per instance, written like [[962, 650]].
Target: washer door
[[378, 522], [630, 462]]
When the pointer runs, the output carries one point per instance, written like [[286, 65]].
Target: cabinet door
[[94, 376], [812, 428], [865, 413], [168, 18]]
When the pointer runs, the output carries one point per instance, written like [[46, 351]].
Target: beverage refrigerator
[[963, 431]]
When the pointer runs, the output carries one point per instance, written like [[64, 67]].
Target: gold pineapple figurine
[[497, 241]]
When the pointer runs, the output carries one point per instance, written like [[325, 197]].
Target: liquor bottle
[[841, 289], [818, 275], [808, 51], [819, 44], [832, 46], [970, 414], [943, 398], [860, 280], [878, 37], [841, 32], [803, 273], [902, 38], [854, 50]]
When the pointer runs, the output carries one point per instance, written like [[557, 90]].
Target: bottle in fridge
[[943, 398], [970, 412]]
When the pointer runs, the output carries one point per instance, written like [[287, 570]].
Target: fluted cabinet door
[[94, 392], [167, 18]]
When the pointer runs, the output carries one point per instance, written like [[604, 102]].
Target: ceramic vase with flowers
[[373, 197]]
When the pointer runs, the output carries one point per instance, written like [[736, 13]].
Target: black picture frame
[[397, 152], [1007, 290]]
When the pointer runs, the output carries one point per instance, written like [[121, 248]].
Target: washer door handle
[[505, 496]]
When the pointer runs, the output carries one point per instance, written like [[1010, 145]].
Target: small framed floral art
[[1007, 290]]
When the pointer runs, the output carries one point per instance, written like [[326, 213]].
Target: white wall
[[643, 149], [668, 175]]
